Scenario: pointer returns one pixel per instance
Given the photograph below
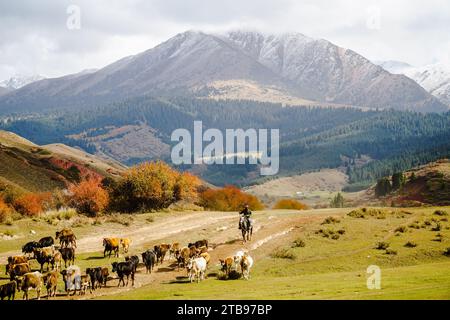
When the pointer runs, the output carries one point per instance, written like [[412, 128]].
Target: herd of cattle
[[194, 258]]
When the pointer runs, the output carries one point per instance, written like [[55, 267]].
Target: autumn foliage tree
[[229, 198], [88, 197], [152, 185], [32, 204], [290, 204]]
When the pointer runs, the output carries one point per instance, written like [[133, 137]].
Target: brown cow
[[174, 248], [50, 280], [111, 245], [161, 251], [227, 264], [183, 257], [66, 237], [31, 280], [15, 260], [45, 255], [18, 270]]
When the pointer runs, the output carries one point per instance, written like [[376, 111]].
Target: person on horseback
[[245, 214]]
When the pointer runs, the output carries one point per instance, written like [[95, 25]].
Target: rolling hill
[[29, 167]]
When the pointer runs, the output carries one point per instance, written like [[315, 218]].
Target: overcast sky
[[35, 38]]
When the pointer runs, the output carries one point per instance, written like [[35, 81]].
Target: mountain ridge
[[300, 66]]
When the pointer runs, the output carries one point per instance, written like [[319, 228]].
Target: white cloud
[[34, 37]]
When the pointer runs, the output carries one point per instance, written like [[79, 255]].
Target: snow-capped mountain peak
[[19, 81], [435, 78]]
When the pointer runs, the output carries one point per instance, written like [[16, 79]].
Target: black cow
[[134, 260], [95, 275], [98, 276], [68, 255], [149, 259], [201, 243], [29, 247], [8, 290], [46, 242], [124, 269]]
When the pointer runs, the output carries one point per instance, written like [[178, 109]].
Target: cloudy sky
[[42, 37]]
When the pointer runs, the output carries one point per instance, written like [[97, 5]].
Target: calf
[[111, 245], [84, 284], [125, 242], [124, 269], [197, 269], [44, 255], [50, 280], [174, 248], [149, 259], [68, 255], [8, 290], [183, 256], [134, 260], [227, 264], [18, 270], [31, 280], [56, 261], [105, 274], [193, 252], [161, 251], [246, 264], [98, 277], [66, 237], [46, 242], [29, 247]]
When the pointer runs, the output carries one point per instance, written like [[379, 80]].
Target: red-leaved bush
[[88, 197]]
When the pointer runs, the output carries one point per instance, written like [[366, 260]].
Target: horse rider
[[245, 213]]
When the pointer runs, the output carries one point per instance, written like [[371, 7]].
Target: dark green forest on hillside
[[311, 138]]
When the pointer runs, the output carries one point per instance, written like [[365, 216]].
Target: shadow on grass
[[164, 269], [180, 279], [95, 258]]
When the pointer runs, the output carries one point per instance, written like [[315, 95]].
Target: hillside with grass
[[428, 184], [28, 167]]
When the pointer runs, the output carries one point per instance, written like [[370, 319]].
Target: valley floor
[[324, 268]]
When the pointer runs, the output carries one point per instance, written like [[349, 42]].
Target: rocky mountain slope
[[300, 67]]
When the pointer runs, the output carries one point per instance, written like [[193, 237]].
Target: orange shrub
[[88, 197], [152, 185], [5, 211], [229, 198], [290, 204], [32, 204], [186, 187]]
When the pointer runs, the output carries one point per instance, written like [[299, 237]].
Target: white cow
[[245, 261], [197, 269]]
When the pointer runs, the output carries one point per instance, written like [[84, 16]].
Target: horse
[[247, 229]]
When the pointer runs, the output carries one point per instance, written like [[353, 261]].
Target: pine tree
[[337, 201], [383, 187], [398, 180]]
